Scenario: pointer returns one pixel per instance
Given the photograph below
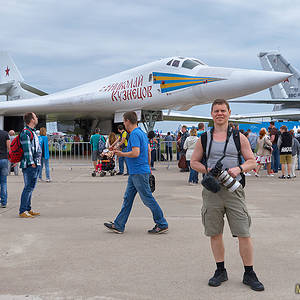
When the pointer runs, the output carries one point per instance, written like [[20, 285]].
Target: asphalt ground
[[66, 253]]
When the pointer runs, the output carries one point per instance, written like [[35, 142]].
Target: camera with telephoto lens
[[217, 176]]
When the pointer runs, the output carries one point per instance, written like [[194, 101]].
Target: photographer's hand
[[234, 171]]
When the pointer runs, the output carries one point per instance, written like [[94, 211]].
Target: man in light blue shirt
[[169, 144], [138, 161]]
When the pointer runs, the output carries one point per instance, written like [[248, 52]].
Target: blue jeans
[[3, 180], [193, 174], [139, 183], [46, 161], [30, 175], [121, 162], [275, 158]]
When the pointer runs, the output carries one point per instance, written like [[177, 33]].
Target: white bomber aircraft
[[168, 84]]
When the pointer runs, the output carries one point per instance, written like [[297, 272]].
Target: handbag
[[182, 164], [267, 147], [152, 183]]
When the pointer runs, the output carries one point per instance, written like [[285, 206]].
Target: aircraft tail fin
[[8, 70], [290, 88], [12, 82]]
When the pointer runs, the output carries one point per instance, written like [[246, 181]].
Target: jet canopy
[[188, 63]]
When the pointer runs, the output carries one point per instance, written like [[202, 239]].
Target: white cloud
[[59, 44]]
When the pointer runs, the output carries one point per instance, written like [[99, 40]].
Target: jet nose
[[239, 82], [252, 81]]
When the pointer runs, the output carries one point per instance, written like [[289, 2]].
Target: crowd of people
[[222, 148], [275, 150]]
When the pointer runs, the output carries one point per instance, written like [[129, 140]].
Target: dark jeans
[[275, 158], [169, 152], [153, 156], [30, 175]]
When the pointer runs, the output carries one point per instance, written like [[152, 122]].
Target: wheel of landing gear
[[94, 174]]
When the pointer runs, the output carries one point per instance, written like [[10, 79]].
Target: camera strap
[[229, 132]]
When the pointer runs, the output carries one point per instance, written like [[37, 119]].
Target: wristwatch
[[241, 168]]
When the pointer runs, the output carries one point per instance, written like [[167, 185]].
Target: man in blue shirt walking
[[138, 161]]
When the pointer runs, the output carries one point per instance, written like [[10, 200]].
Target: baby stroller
[[105, 164]]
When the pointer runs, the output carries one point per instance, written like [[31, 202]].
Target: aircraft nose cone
[[252, 81], [239, 82]]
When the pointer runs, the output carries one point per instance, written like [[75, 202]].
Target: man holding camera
[[220, 162]]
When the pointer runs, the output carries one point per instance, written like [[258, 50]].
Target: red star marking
[[7, 71], [287, 80]]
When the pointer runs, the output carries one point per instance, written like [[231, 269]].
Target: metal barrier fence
[[83, 151], [70, 150]]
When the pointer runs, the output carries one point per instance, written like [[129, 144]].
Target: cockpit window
[[175, 63], [189, 64], [169, 63], [198, 61]]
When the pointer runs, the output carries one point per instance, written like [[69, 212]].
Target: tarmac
[[66, 253]]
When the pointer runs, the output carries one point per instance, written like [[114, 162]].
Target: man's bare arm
[[196, 158], [135, 152], [149, 155], [250, 162], [8, 145]]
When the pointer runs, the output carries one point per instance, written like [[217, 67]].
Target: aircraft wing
[[287, 114], [190, 118], [266, 101]]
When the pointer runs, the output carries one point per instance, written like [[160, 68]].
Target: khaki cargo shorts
[[216, 205], [286, 159]]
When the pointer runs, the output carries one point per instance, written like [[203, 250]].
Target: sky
[[60, 44]]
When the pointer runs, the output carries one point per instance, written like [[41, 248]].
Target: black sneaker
[[3, 205], [111, 226], [119, 173], [218, 278], [157, 230], [281, 177], [251, 280], [289, 177], [126, 174]]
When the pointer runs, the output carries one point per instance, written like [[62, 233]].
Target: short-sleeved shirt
[[140, 164], [3, 147], [168, 140], [124, 135], [95, 141]]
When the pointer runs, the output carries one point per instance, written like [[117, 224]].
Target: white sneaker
[[247, 174], [270, 175], [256, 175], [48, 180]]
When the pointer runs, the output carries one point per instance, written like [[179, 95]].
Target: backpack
[[237, 142], [101, 144], [16, 152]]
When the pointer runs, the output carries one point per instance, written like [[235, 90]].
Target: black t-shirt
[[3, 147]]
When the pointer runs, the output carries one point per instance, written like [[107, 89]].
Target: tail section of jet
[[12, 82], [288, 89]]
